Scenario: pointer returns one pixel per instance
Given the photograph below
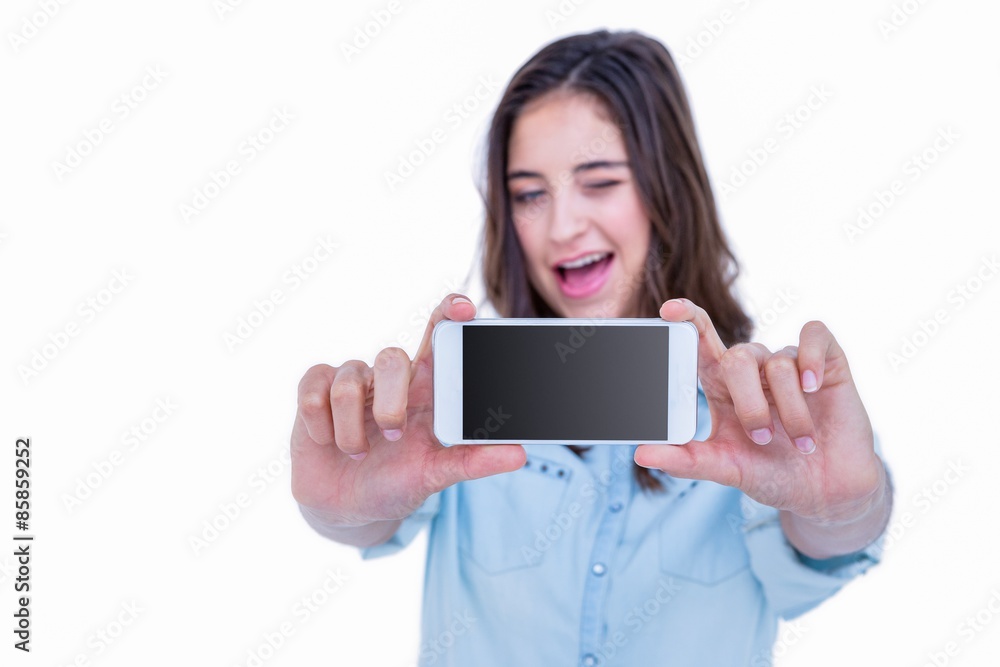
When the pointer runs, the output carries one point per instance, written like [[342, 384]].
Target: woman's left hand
[[788, 427]]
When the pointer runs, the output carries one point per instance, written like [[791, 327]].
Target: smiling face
[[574, 203]]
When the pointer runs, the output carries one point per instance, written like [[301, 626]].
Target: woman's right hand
[[363, 448]]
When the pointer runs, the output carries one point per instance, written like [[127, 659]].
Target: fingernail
[[460, 299], [808, 381], [358, 457], [392, 434], [761, 436], [805, 444]]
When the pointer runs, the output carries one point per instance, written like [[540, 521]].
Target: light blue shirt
[[568, 562]]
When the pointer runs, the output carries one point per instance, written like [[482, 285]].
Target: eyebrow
[[598, 164]]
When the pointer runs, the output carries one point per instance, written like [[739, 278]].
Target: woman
[[685, 555]]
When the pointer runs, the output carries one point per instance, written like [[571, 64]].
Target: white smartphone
[[565, 381]]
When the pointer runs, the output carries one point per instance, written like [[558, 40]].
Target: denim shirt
[[567, 562]]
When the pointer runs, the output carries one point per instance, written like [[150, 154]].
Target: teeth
[[585, 260]]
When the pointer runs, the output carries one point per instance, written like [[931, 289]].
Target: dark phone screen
[[559, 382]]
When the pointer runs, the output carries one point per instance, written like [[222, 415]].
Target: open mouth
[[584, 276]]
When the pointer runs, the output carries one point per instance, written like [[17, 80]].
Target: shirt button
[[589, 660], [615, 506], [599, 569]]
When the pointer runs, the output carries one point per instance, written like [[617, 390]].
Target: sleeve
[[407, 530], [794, 583]]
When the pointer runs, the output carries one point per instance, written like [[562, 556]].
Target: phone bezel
[[682, 389]]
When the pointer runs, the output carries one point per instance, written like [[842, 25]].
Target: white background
[[162, 337]]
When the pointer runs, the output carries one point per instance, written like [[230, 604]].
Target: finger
[[392, 384], [456, 307], [817, 347], [695, 460], [741, 365], [710, 346], [347, 401], [459, 463], [314, 403], [782, 372], [311, 465]]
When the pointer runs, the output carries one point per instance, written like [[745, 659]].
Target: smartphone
[[565, 381]]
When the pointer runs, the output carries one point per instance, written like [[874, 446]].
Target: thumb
[[697, 459], [449, 309], [458, 463]]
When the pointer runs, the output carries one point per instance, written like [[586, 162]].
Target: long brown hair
[[635, 80]]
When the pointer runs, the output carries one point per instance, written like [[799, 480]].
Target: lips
[[586, 280]]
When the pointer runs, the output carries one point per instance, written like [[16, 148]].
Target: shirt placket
[[593, 626]]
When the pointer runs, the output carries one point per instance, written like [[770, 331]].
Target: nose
[[568, 217]]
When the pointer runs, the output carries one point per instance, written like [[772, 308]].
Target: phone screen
[[550, 382]]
